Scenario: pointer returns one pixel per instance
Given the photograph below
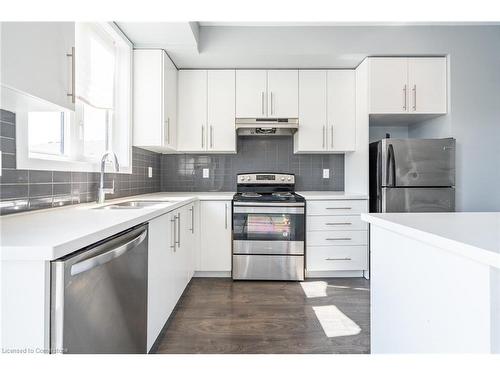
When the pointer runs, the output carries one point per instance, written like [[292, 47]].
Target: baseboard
[[212, 274], [317, 274]]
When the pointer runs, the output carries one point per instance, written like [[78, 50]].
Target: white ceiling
[[290, 44]]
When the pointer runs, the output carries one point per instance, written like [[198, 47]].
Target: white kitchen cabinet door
[[192, 132], [388, 90], [35, 61], [311, 136], [148, 98], [161, 269], [221, 111], [251, 89], [283, 93], [341, 110], [215, 234], [427, 84], [170, 103]]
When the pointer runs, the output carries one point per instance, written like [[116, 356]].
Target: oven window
[[268, 227]]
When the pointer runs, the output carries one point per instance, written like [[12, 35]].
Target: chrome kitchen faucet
[[101, 193]]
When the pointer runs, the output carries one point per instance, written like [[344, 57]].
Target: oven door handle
[[268, 210], [267, 204]]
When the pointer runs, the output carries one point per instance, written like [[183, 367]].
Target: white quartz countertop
[[475, 235], [52, 233], [331, 195]]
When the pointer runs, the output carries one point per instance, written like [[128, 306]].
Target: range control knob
[[248, 178], [289, 179], [282, 178]]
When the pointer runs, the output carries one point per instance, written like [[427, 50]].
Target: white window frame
[[121, 135]]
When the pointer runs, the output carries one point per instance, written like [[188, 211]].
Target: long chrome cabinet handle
[[331, 135], [272, 106], [225, 215], [339, 239], [192, 219], [202, 136], [179, 229], [88, 264], [168, 130], [404, 96], [414, 97], [338, 223], [211, 136], [338, 259], [73, 75], [262, 96], [174, 221], [163, 141], [338, 208], [324, 127]]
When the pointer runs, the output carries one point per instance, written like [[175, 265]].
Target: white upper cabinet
[[401, 85], [267, 94], [311, 136], [155, 100], [251, 93], [327, 111], [283, 93], [36, 59], [221, 111], [427, 84], [388, 85], [192, 115], [341, 110], [170, 78], [206, 111]]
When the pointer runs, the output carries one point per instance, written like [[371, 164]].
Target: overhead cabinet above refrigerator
[[407, 85]]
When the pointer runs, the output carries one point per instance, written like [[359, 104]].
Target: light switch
[[326, 173], [150, 172], [206, 173]]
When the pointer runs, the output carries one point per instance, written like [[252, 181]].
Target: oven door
[[269, 230]]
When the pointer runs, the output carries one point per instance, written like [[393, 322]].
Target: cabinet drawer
[[337, 207], [330, 223], [337, 258], [337, 237]]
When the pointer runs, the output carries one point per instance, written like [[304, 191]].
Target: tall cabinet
[[206, 111], [327, 111], [155, 100]]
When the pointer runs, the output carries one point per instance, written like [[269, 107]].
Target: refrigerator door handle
[[391, 163]]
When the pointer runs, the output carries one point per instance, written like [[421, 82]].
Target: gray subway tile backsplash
[[255, 154], [22, 190]]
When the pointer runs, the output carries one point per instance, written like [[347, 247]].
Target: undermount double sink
[[132, 205]]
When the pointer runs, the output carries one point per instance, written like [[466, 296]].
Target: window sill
[[53, 164]]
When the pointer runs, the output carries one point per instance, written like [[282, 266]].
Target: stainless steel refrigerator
[[412, 175]]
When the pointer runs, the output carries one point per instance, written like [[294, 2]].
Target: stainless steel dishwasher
[[99, 296]]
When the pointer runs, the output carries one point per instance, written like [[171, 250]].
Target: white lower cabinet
[[337, 239], [171, 246], [215, 236]]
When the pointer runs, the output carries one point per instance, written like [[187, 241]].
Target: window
[[102, 117], [46, 132]]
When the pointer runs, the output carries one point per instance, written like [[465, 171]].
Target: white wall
[[378, 132], [474, 58]]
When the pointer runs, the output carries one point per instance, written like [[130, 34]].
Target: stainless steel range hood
[[266, 126]]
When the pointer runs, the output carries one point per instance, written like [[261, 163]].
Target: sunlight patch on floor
[[314, 289], [334, 322]]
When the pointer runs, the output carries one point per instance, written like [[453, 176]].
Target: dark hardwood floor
[[222, 316]]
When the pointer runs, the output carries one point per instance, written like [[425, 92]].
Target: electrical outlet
[[206, 173], [150, 172], [326, 173]]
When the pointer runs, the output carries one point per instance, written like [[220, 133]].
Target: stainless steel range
[[268, 228]]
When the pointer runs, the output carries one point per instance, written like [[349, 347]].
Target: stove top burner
[[251, 194], [282, 194]]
